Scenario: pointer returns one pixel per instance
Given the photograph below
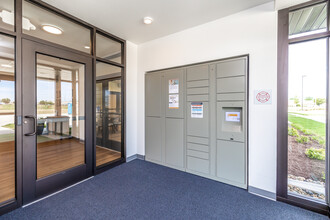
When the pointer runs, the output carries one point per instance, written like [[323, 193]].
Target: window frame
[[282, 107]]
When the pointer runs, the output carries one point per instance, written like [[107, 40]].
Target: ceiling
[[124, 18]]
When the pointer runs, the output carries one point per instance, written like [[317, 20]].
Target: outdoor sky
[[46, 90], [308, 58]]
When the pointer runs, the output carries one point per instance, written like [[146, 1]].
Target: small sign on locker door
[[197, 110]]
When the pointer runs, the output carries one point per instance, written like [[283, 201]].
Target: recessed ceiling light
[[87, 47], [52, 29], [6, 65], [148, 20]]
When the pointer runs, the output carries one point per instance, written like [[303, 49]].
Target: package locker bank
[[196, 119]]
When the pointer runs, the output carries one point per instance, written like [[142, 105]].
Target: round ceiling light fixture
[[52, 29], [147, 20]]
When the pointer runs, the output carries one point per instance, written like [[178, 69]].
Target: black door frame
[[105, 129], [282, 108], [19, 36], [33, 188], [111, 164]]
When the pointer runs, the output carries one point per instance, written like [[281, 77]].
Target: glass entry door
[[57, 147], [108, 121]]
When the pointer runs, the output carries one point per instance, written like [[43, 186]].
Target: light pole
[[302, 92]]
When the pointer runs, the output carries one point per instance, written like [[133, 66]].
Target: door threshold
[[31, 203]]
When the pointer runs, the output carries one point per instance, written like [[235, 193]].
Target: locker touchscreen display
[[233, 116]]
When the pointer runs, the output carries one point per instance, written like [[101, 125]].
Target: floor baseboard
[[262, 193], [134, 157]]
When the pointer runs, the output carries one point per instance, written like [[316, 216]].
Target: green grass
[[7, 107], [298, 113], [308, 126], [10, 126]]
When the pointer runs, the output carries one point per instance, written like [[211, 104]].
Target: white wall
[[131, 99], [253, 32]]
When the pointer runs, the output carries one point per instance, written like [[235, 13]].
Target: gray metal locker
[[196, 119]]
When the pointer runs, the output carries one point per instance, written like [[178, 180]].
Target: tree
[[319, 101], [296, 100], [5, 100], [309, 98], [44, 102]]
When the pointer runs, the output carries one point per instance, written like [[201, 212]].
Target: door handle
[[35, 125]]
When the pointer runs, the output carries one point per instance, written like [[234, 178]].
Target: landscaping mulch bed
[[299, 164]]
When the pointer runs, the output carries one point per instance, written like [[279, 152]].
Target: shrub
[[293, 132], [302, 139], [319, 140], [318, 154]]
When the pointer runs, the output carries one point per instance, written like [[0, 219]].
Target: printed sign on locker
[[173, 101], [197, 110], [263, 97], [173, 86]]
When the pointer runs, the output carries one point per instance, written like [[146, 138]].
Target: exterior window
[[48, 26], [307, 21]]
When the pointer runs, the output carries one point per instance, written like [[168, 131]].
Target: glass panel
[[60, 114], [108, 49], [307, 119], [48, 26], [7, 118], [307, 21], [108, 113], [7, 14]]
